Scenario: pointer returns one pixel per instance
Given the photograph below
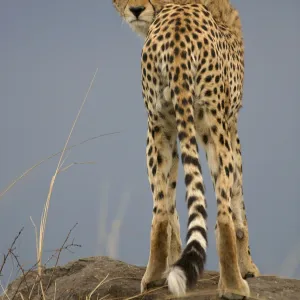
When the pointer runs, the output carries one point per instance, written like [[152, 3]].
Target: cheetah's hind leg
[[159, 163], [247, 266], [175, 244], [220, 160]]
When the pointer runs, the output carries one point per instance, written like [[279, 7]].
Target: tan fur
[[192, 82], [222, 10]]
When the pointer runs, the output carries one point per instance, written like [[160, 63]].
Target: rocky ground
[[98, 278]]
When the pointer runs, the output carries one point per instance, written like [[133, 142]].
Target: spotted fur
[[192, 80]]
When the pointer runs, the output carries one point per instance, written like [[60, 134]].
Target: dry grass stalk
[[59, 251], [21, 268], [42, 289], [146, 292], [10, 250], [12, 184], [59, 165], [4, 291], [21, 295], [54, 290], [30, 287], [95, 289]]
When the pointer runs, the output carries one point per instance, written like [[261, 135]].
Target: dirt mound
[[98, 278]]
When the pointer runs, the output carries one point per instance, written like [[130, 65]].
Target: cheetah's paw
[[240, 293]]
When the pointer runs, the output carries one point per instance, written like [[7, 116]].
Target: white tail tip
[[177, 281]]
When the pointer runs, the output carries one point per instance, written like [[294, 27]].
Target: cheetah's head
[[139, 14]]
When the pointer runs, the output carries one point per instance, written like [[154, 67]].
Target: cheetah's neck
[[222, 11]]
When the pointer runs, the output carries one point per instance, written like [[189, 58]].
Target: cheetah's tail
[[186, 271]]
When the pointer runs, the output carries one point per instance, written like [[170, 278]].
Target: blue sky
[[48, 54]]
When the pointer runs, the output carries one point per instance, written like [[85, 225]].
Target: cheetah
[[192, 67]]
